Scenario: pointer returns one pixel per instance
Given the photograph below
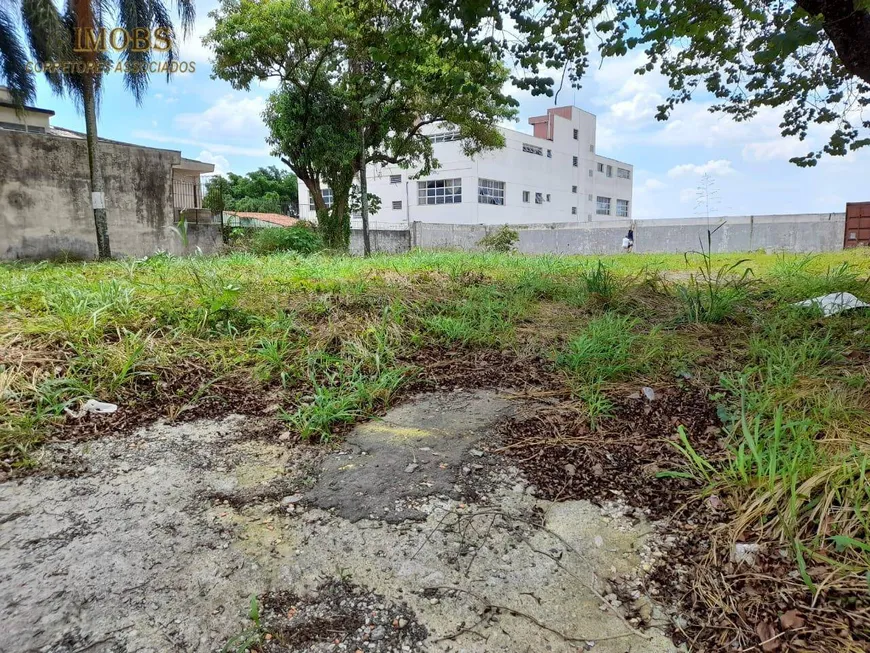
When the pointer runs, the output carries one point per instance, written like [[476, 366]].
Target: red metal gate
[[857, 225]]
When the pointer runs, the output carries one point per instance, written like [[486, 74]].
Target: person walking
[[628, 241]]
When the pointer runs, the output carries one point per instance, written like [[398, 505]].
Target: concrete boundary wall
[[810, 232], [383, 241], [45, 200]]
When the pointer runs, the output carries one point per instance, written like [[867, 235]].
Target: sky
[[206, 119]]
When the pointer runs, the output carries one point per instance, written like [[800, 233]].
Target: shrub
[[286, 239], [501, 240]]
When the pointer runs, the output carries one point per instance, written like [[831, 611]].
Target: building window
[[533, 149], [549, 154], [444, 137], [590, 197], [397, 206], [573, 210], [573, 189], [600, 167], [592, 147], [622, 173], [622, 208], [395, 179], [590, 172], [439, 191], [526, 195], [539, 198], [602, 206], [576, 134], [327, 199], [576, 161], [609, 171], [548, 197], [16, 127], [490, 192]]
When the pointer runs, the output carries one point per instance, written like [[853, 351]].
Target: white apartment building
[[551, 176]]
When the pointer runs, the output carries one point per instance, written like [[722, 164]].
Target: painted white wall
[[552, 175]]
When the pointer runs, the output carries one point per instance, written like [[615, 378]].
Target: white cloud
[[232, 116], [220, 148], [720, 167], [165, 99], [688, 195], [615, 78], [781, 149], [652, 184], [640, 108], [631, 102], [221, 165], [191, 48]]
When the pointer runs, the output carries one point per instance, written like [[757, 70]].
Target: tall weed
[[713, 294]]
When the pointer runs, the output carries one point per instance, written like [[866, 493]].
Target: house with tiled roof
[[254, 219]]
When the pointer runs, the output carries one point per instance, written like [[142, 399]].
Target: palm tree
[[52, 37]]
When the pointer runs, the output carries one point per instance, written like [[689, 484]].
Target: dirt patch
[[565, 458], [338, 614], [447, 369], [192, 393], [725, 604]]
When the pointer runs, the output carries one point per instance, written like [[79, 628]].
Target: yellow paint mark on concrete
[[397, 432]]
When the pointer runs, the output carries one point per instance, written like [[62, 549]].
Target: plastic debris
[[649, 393], [745, 552], [834, 303], [101, 407]]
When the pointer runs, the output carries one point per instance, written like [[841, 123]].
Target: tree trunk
[[334, 226], [98, 200], [333, 223], [364, 193], [848, 27]]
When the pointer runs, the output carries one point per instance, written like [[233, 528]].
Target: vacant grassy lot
[[334, 340]]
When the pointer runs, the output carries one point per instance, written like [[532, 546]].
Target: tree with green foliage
[[359, 82], [265, 190], [56, 36], [809, 59]]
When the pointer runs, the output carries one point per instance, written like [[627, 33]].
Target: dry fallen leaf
[[766, 634], [715, 502], [791, 620]]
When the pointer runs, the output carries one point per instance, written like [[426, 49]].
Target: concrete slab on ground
[[160, 538]]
